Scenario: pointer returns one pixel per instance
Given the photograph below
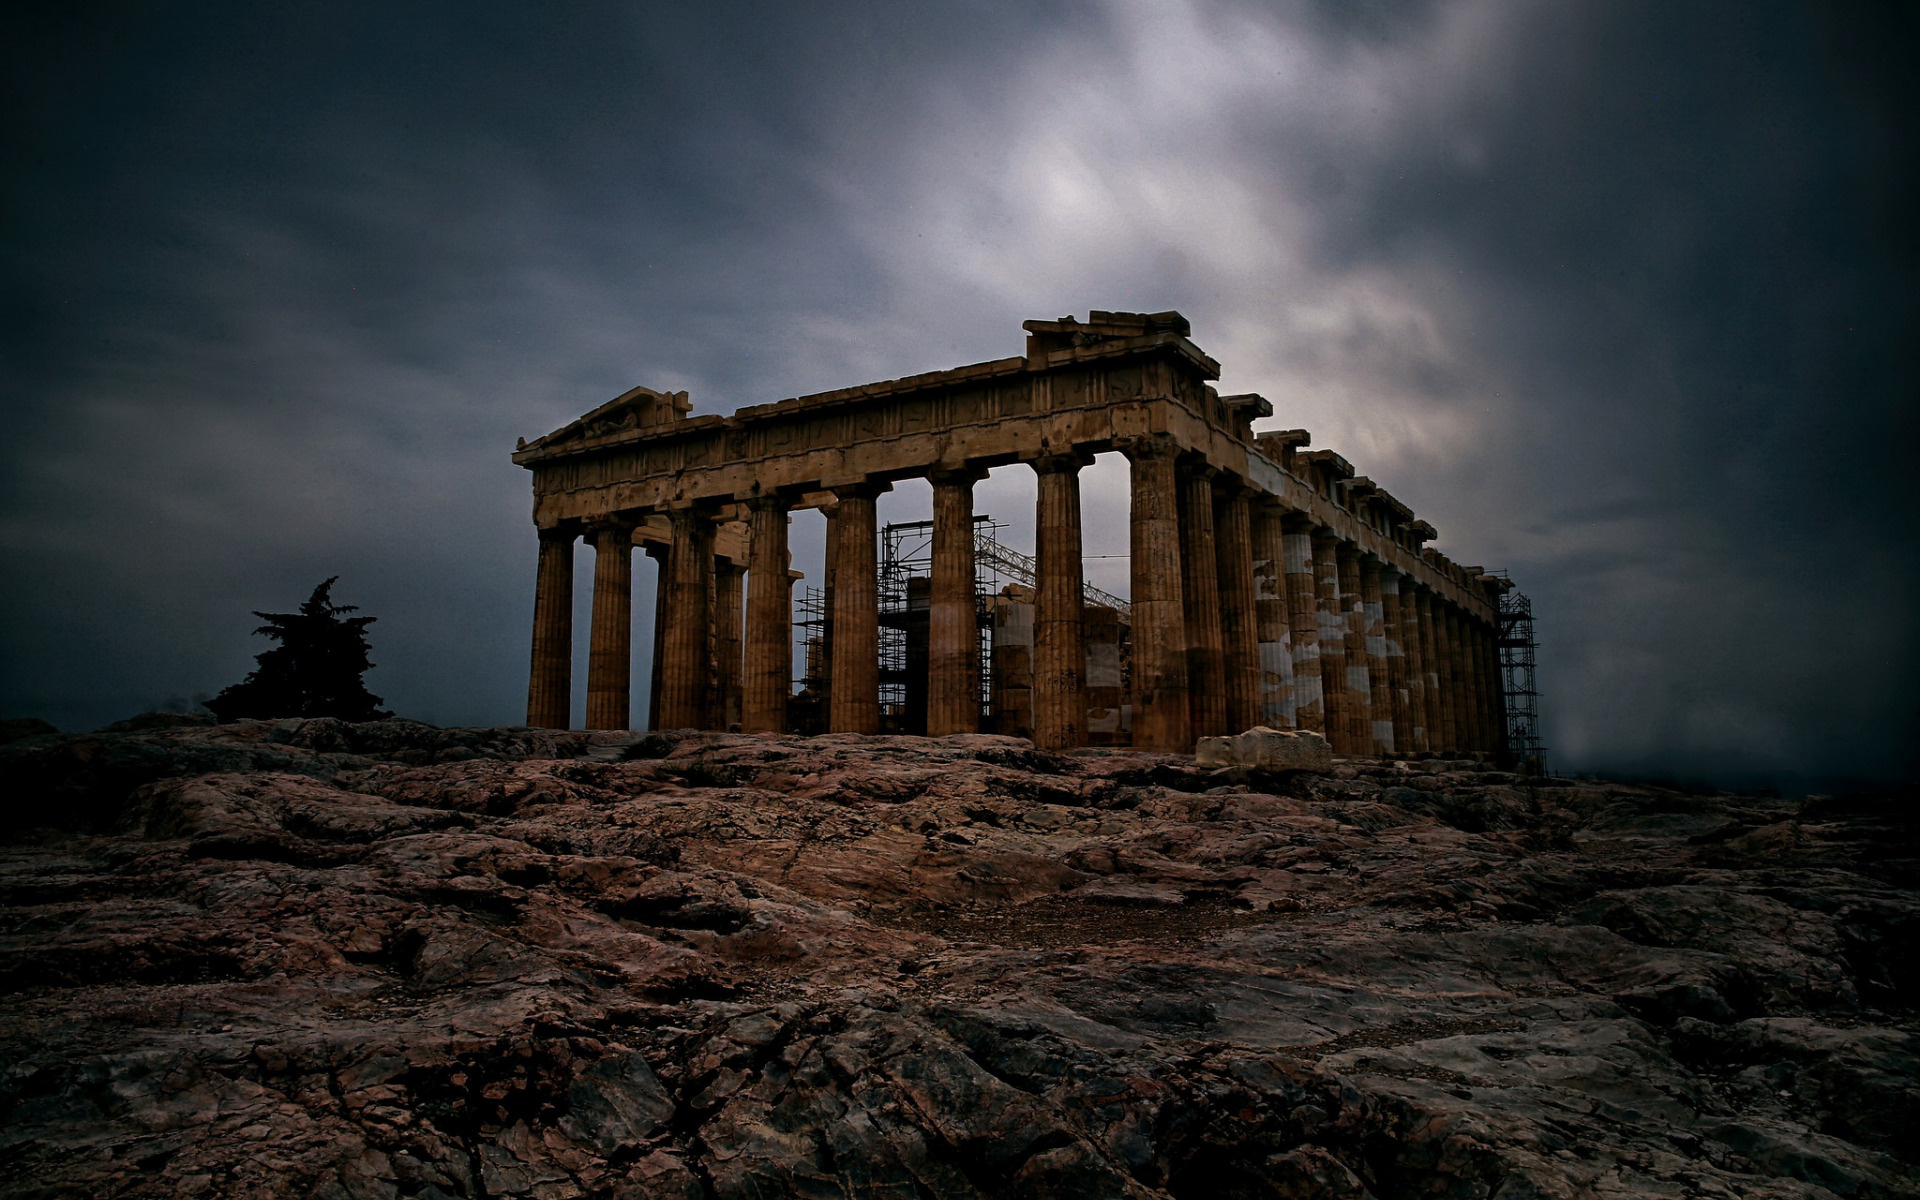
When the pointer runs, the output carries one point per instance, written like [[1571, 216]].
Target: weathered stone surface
[[1265, 749], [390, 960]]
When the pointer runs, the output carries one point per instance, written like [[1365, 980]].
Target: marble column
[[729, 580], [685, 668], [1059, 631], [1332, 623], [550, 682], [1398, 690], [1496, 689], [1275, 646], [1446, 632], [660, 556], [1303, 625], [1416, 666], [1430, 659], [855, 706], [1200, 587], [1239, 628], [610, 650], [1358, 679], [768, 681], [953, 631], [1379, 674], [1160, 687]]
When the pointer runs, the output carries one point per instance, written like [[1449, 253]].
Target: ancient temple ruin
[[1271, 585]]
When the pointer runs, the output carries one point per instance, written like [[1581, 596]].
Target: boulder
[[1266, 749]]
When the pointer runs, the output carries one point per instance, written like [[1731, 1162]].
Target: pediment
[[640, 408]]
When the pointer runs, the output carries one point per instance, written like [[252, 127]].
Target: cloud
[[1594, 288]]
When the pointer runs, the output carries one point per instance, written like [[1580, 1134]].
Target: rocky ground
[[314, 959]]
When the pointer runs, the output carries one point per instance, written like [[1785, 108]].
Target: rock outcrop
[[387, 960]]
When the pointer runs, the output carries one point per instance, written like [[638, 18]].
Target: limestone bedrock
[[1267, 750], [307, 958]]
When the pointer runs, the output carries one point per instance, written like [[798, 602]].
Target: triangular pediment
[[640, 408]]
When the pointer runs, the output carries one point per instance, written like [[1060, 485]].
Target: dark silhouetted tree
[[314, 671]]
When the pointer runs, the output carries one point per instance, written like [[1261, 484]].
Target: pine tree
[[314, 671]]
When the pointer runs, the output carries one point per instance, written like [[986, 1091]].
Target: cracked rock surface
[[388, 960]]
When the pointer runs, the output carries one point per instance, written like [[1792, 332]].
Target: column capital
[[772, 500], [1148, 446], [1053, 464], [558, 533], [963, 476], [606, 523], [867, 490], [1195, 467]]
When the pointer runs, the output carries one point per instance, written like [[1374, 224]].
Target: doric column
[[1379, 674], [768, 681], [1496, 689], [1059, 634], [610, 650], [1474, 668], [1430, 659], [1200, 587], [1303, 626], [855, 706], [1332, 624], [660, 555], [953, 632], [1416, 666], [1489, 672], [1239, 632], [1398, 688], [550, 682], [1359, 680], [1270, 617], [729, 608], [1160, 717], [1446, 630], [685, 669]]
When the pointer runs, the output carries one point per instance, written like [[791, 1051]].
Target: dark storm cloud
[[1618, 296]]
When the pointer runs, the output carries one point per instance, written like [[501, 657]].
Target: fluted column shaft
[[1430, 659], [1059, 631], [1239, 628], [1489, 655], [1303, 627], [768, 681], [1200, 585], [1160, 687], [685, 668], [1397, 693], [610, 649], [1274, 644], [729, 608], [1379, 672], [1496, 690], [1446, 631], [953, 632], [855, 705], [1333, 643], [1359, 679], [550, 681], [1416, 667], [1476, 681]]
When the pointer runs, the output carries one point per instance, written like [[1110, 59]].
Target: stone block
[[1267, 750]]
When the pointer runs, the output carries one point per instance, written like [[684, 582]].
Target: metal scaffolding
[[906, 555], [1517, 683]]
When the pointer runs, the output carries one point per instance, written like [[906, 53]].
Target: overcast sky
[[1618, 296]]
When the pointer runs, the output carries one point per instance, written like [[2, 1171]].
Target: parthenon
[[1270, 584]]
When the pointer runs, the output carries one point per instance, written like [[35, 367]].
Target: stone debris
[[1266, 749], [382, 961]]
